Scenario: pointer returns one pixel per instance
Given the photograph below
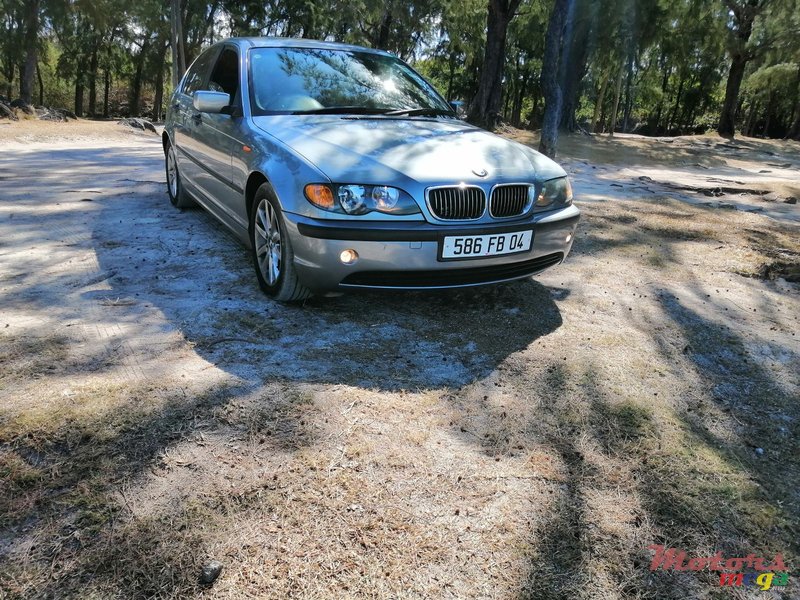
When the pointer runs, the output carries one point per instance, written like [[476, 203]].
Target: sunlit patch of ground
[[748, 174], [527, 440]]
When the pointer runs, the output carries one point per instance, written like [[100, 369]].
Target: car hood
[[390, 150]]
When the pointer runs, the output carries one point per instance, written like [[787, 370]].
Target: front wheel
[[177, 195], [272, 253]]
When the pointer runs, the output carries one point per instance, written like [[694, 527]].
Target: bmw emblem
[[480, 172]]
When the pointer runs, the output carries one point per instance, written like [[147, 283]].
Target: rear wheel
[[177, 195], [272, 253]]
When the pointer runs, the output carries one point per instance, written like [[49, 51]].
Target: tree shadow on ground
[[167, 271], [161, 272], [684, 468], [763, 411], [701, 488], [578, 549]]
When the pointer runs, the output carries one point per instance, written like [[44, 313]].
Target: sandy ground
[[521, 441], [747, 174]]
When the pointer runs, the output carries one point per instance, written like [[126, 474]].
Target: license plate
[[480, 246]]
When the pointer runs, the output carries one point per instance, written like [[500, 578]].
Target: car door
[[217, 135], [185, 121]]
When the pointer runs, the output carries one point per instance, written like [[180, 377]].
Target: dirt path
[[526, 440]]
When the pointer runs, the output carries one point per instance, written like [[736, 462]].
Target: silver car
[[341, 167]]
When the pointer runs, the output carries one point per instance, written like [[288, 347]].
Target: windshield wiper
[[418, 112], [340, 110]]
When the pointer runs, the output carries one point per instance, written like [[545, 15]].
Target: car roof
[[284, 42]]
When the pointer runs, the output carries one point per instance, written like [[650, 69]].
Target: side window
[[225, 76], [196, 75]]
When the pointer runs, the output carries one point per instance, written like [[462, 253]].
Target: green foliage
[[771, 81], [662, 63]]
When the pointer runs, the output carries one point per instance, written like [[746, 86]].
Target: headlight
[[353, 199], [555, 193], [385, 197], [356, 199]]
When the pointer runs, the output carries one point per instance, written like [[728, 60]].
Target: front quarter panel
[[286, 172], [172, 117]]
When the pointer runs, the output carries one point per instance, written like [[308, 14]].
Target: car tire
[[178, 196], [271, 250]]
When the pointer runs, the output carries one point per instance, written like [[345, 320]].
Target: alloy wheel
[[268, 242], [172, 173]]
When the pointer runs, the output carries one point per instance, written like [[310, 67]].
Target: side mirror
[[210, 102]]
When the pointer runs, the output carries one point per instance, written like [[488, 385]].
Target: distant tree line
[[650, 66]]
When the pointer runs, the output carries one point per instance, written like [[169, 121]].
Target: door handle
[[196, 117], [176, 105]]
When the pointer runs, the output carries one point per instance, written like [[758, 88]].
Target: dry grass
[[32, 130], [617, 403]]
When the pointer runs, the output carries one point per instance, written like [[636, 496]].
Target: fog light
[[569, 238], [348, 257]]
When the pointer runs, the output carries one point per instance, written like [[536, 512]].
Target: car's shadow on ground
[[201, 281]]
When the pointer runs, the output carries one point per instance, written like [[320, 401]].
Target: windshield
[[317, 80]]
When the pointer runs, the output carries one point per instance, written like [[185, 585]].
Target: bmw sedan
[[341, 167]]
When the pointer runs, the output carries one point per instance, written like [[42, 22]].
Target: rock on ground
[[138, 123]]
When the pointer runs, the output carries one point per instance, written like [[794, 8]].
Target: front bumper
[[404, 255]]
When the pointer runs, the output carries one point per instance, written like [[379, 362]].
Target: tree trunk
[[176, 41], [565, 66], [573, 66], [751, 119], [512, 89], [41, 85], [485, 107], [571, 93], [106, 90], [626, 115], [9, 79], [107, 74], [183, 40], [136, 85], [31, 51], [210, 19], [660, 108], [744, 16], [688, 121], [617, 92], [727, 119], [385, 29], [601, 96], [93, 80], [516, 111], [602, 123], [674, 114], [550, 85], [158, 99], [768, 120], [794, 130], [451, 76], [79, 94]]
